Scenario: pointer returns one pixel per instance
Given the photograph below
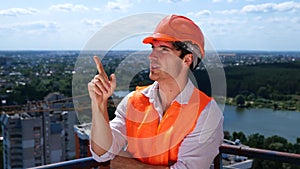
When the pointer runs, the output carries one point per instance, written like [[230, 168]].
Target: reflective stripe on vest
[[157, 142]]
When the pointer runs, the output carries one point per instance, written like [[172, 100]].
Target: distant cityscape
[[18, 68], [41, 127]]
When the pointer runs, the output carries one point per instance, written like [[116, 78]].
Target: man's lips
[[154, 66]]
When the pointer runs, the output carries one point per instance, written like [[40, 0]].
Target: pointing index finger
[[99, 66]]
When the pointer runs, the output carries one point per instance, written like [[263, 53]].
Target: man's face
[[164, 61]]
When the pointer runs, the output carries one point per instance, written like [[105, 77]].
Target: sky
[[70, 24]]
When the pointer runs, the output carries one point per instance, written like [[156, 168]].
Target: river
[[264, 121]]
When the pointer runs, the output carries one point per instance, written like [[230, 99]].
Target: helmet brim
[[159, 37]]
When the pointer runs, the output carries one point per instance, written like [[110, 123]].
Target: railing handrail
[[285, 157], [82, 163], [89, 162]]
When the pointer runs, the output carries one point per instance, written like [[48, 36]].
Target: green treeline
[[264, 85], [275, 143], [269, 81]]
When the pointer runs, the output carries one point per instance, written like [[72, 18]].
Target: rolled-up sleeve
[[199, 148], [118, 144]]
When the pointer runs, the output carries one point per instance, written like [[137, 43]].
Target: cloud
[[258, 8], [295, 20], [119, 5], [18, 11], [280, 20], [290, 6], [203, 13], [68, 7], [221, 22], [39, 25], [93, 22], [272, 7], [31, 27], [98, 9], [200, 14], [229, 12]]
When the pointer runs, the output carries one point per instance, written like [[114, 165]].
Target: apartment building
[[39, 133]]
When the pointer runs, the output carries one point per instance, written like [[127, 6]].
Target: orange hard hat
[[178, 28]]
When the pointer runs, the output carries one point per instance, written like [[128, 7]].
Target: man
[[169, 124]]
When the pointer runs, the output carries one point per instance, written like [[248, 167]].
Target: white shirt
[[198, 148]]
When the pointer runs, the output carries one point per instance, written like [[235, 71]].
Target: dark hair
[[183, 48]]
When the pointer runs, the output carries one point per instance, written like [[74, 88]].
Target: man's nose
[[153, 55]]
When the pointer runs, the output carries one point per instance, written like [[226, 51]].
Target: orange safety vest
[[157, 142]]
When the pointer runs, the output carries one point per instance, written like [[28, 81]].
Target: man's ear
[[188, 59]]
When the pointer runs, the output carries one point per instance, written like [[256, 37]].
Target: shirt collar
[[182, 98]]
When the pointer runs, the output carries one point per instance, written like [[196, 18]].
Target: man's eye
[[165, 49]]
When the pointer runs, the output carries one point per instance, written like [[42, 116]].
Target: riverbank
[[291, 104]]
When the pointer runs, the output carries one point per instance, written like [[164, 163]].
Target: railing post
[[218, 161]]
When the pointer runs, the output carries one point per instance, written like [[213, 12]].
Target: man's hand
[[101, 88]]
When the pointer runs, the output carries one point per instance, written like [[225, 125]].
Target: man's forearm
[[101, 136]]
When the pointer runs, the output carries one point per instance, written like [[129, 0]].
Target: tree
[[275, 139], [256, 140], [227, 135], [239, 135], [263, 92], [251, 97], [240, 100]]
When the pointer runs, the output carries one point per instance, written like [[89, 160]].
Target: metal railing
[[82, 163], [89, 162], [256, 153]]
